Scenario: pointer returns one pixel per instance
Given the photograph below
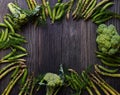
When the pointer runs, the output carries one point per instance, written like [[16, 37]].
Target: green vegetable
[[108, 39], [52, 81]]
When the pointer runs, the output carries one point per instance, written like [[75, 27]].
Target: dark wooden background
[[71, 43]]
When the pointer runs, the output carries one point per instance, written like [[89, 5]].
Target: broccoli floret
[[108, 39], [52, 81]]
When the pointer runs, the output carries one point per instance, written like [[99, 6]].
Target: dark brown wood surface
[[71, 43]]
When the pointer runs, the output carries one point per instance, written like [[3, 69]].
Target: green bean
[[15, 72], [60, 8], [88, 7], [5, 34], [96, 17], [106, 6], [107, 70], [24, 76], [94, 8], [7, 71], [9, 55], [2, 25], [20, 48], [106, 74], [54, 11], [9, 25], [110, 64], [90, 10], [17, 39], [60, 15], [17, 56], [109, 59], [17, 35], [33, 3], [14, 82], [44, 3], [103, 20], [6, 67]]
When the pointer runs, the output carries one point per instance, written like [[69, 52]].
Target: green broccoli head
[[108, 39], [52, 81]]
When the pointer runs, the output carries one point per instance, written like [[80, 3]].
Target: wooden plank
[[71, 43]]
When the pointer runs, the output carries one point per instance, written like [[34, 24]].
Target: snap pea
[[17, 56], [9, 26], [104, 73], [3, 25], [110, 64], [106, 6], [107, 70], [20, 48], [15, 72], [5, 34], [24, 77]]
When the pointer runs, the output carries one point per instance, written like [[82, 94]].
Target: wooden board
[[71, 43]]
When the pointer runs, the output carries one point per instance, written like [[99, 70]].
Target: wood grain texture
[[71, 43]]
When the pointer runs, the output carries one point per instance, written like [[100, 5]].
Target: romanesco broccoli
[[108, 39]]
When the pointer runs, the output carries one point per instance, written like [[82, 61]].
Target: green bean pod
[[89, 90], [107, 70], [2, 36]]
